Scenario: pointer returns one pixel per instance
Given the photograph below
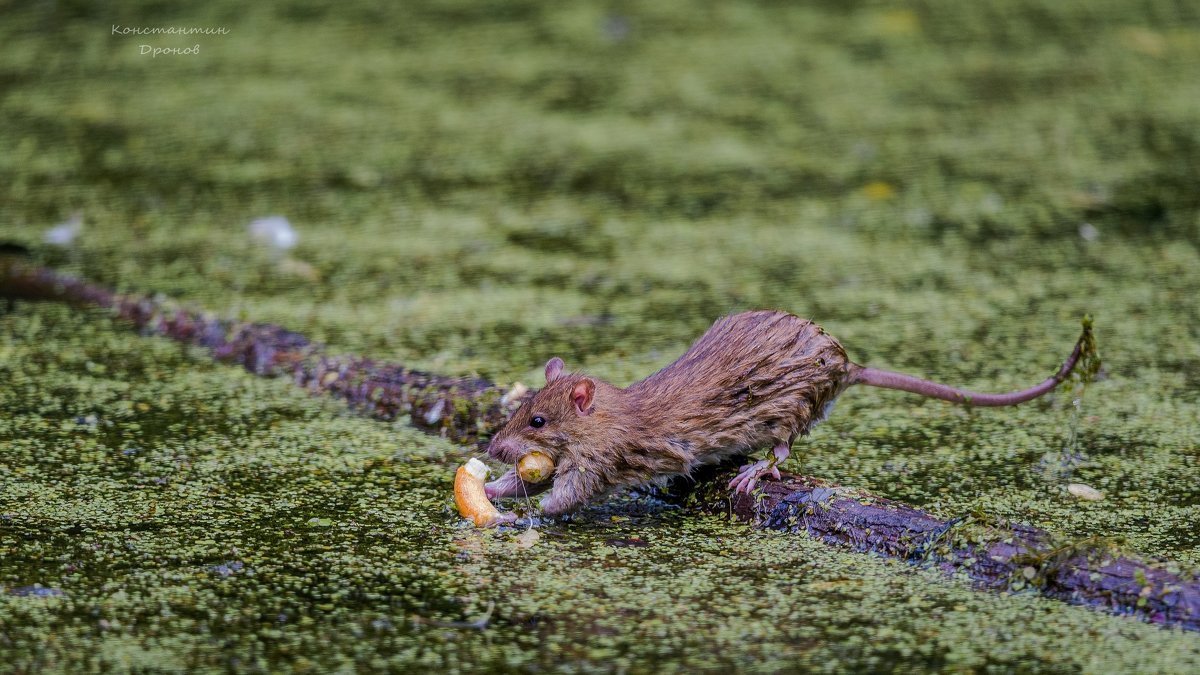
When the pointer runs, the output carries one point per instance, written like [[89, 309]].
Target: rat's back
[[751, 349], [762, 373]]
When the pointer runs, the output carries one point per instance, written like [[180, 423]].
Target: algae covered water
[[475, 187]]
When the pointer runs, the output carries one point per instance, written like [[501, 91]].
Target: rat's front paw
[[553, 507], [494, 490], [508, 485], [504, 518]]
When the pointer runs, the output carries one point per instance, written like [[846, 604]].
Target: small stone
[[435, 413], [527, 538], [1085, 492], [228, 568], [37, 591]]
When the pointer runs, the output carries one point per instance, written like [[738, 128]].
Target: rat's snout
[[506, 450]]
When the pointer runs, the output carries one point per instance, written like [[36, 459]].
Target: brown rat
[[754, 380]]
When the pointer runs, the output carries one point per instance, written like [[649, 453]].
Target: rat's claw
[[504, 519], [750, 474], [746, 480]]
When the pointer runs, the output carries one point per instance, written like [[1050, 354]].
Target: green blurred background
[[476, 186]]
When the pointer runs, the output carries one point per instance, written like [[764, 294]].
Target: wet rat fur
[[754, 380]]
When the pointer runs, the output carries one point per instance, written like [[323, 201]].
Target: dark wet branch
[[463, 409], [993, 554], [998, 555]]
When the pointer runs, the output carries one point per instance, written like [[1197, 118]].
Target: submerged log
[[992, 554], [463, 409]]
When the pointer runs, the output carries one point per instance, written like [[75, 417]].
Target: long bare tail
[[1085, 347]]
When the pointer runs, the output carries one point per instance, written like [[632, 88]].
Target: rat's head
[[552, 420]]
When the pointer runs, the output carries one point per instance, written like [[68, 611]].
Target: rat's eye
[[537, 422]]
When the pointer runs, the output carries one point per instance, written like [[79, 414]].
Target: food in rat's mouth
[[535, 467], [469, 495]]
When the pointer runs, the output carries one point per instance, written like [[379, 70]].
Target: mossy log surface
[[999, 555], [996, 555], [459, 408]]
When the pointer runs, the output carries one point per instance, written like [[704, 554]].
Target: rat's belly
[[751, 437]]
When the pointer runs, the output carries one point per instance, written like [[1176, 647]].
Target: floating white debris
[[1085, 492], [274, 231], [64, 234], [1088, 232], [435, 413], [514, 394]]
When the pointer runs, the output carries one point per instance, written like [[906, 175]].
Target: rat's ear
[[553, 368], [581, 396]]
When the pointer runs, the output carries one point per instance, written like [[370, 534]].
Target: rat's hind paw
[[752, 473]]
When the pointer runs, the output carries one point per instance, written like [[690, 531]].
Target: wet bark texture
[[463, 409], [993, 554]]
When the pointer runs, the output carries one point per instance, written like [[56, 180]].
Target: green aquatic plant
[[482, 185]]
